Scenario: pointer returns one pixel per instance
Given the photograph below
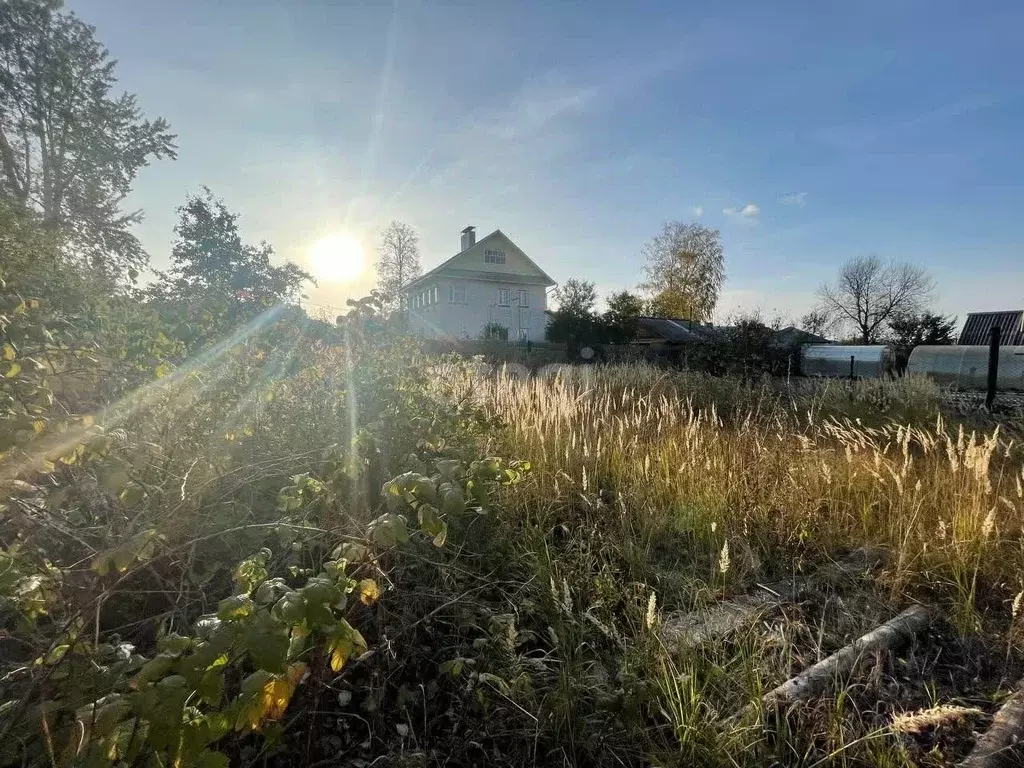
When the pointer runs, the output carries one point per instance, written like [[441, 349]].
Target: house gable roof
[[465, 264]]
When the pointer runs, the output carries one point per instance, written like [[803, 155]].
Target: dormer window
[[494, 257]]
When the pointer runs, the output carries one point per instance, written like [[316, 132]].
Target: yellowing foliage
[[369, 591]]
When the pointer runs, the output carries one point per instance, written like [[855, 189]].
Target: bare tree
[[685, 270], [398, 263], [869, 293], [816, 321]]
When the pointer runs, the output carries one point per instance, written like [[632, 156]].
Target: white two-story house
[[489, 288]]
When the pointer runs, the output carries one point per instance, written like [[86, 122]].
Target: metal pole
[[993, 366], [852, 358]]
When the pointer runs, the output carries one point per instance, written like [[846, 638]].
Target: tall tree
[[620, 318], [573, 321], [869, 293], [398, 263], [685, 270], [211, 264], [69, 148]]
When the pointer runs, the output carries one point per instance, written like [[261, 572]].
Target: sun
[[337, 258]]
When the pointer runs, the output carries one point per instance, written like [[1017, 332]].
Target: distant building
[[669, 330], [978, 327], [489, 287]]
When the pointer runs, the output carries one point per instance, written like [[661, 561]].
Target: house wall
[[467, 319]]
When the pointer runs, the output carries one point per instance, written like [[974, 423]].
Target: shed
[[979, 325]]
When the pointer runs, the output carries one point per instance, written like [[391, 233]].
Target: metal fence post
[[993, 366]]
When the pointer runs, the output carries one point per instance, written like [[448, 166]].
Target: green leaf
[[291, 608], [211, 684], [121, 558], [154, 669], [271, 591], [131, 494], [234, 607], [210, 759], [400, 528], [173, 683], [101, 563], [320, 589], [423, 488], [452, 500], [254, 683], [453, 667], [251, 571], [450, 469], [267, 645], [351, 552], [430, 523], [173, 643], [55, 655], [382, 532], [442, 535], [207, 626]]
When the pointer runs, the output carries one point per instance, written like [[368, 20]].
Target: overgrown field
[[270, 542]]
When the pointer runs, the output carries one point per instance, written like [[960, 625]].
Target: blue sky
[[806, 132]]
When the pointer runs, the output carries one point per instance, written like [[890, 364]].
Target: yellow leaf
[[340, 652], [275, 697], [8, 352], [345, 641], [369, 592]]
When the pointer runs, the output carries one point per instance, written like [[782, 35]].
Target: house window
[[456, 294], [434, 294], [503, 297], [496, 332], [494, 257], [523, 335], [524, 298]]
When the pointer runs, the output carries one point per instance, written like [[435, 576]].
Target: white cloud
[[748, 211], [698, 211], [799, 199]]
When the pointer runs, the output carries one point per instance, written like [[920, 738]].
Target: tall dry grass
[[656, 492]]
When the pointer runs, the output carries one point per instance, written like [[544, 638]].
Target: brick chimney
[[468, 238]]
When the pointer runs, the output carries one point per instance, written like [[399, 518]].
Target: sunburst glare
[[337, 258]]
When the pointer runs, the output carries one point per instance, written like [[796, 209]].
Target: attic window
[[494, 257]]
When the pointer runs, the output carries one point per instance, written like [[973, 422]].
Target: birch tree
[[398, 263]]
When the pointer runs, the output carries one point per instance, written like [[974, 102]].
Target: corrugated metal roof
[[979, 325]]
